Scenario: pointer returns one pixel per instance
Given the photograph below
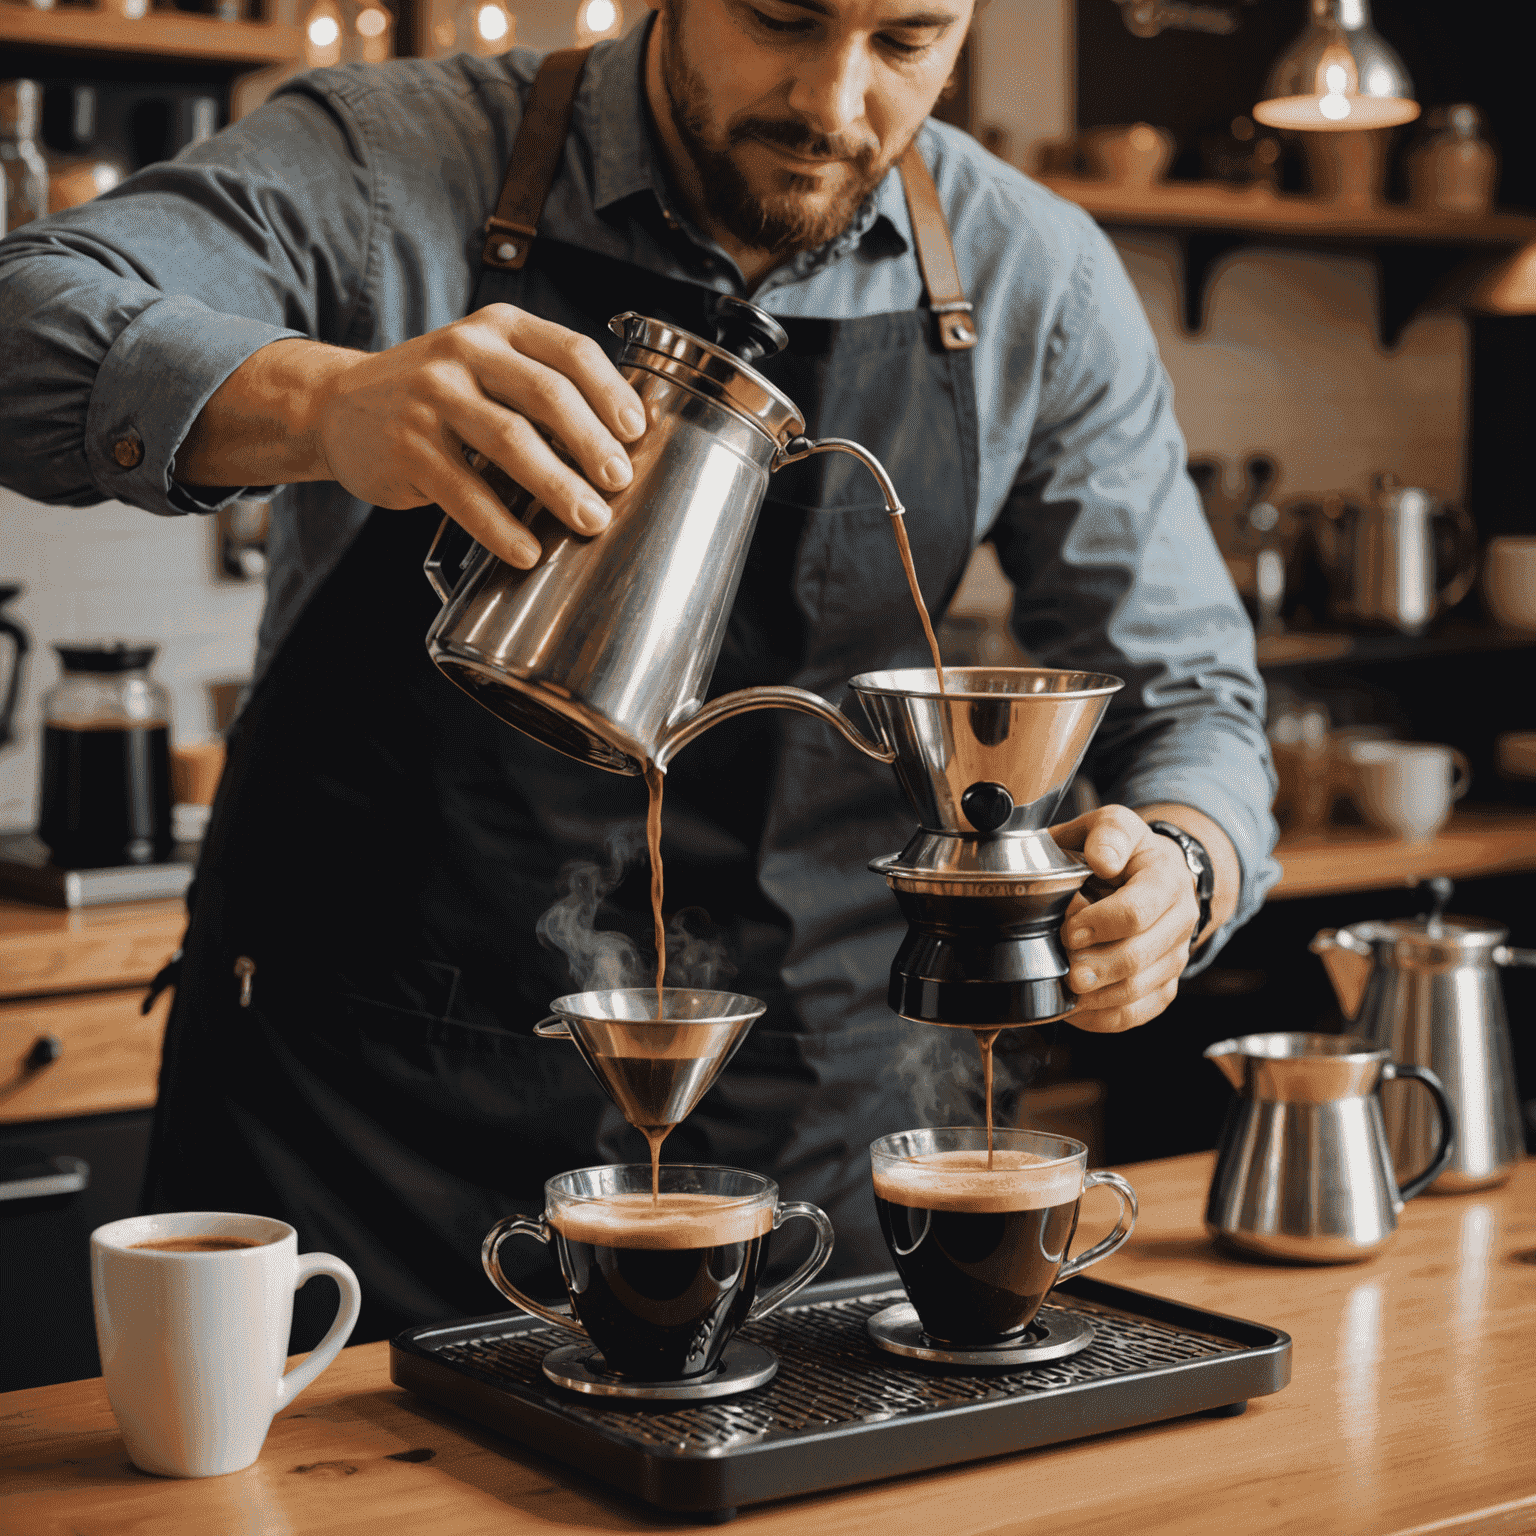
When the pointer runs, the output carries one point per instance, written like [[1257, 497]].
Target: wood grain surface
[[1471, 843], [110, 1059], [48, 949], [1412, 1410]]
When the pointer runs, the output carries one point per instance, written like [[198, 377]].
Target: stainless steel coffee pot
[[1302, 1172], [1426, 990], [605, 649], [1396, 560]]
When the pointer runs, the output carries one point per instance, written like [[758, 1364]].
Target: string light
[[324, 31]]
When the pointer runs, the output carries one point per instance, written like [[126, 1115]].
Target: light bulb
[[491, 23], [599, 15], [372, 22], [324, 31]]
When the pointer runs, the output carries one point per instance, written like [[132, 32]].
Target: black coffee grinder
[[982, 884]]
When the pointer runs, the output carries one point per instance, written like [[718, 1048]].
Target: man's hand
[[1129, 948], [391, 426]]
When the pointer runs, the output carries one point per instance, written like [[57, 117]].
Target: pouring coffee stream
[[604, 651]]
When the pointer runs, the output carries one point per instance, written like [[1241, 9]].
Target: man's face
[[793, 110]]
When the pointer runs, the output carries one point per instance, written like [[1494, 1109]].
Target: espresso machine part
[[982, 883], [655, 1070], [1398, 559], [1303, 1171], [1426, 990], [605, 649]]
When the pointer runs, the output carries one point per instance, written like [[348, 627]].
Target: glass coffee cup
[[660, 1284], [978, 1249]]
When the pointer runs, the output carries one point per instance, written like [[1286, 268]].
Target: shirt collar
[[627, 159]]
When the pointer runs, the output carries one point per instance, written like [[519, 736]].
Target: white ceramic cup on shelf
[[1509, 581], [1407, 787], [193, 1341]]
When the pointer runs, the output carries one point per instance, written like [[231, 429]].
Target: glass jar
[[106, 789], [1453, 168]]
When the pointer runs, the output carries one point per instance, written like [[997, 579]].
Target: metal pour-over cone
[[655, 1070]]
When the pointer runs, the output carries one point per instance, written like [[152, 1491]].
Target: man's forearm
[[260, 426], [1224, 861]]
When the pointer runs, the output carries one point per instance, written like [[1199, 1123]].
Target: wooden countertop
[[1412, 1409], [51, 949]]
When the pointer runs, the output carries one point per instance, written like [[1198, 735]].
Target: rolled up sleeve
[[120, 318], [1115, 570]]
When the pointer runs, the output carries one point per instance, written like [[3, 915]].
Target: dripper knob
[[746, 331], [987, 806]]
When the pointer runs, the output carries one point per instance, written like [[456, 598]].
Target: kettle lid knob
[[746, 331]]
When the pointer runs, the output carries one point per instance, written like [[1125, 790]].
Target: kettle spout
[[1347, 959], [1229, 1056]]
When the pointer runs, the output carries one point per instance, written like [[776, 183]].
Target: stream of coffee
[[985, 1040], [904, 549]]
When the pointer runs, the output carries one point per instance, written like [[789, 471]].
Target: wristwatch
[[1200, 866]]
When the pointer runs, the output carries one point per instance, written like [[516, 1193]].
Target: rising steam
[[601, 959], [941, 1069]]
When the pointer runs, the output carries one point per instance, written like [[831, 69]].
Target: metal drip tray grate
[[841, 1411]]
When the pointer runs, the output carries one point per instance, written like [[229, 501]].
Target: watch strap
[[1198, 861]]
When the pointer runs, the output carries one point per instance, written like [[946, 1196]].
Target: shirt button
[[128, 451]]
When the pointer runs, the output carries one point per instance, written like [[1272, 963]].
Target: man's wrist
[[1202, 872], [1225, 865]]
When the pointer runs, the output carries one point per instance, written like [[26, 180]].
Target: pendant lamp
[[1340, 75]]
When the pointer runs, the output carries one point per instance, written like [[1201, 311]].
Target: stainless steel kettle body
[[1427, 992], [1302, 1172], [604, 650]]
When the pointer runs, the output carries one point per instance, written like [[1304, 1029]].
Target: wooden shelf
[[1307, 648], [1471, 844], [161, 33], [1421, 255]]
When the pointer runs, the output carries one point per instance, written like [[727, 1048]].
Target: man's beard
[[780, 222]]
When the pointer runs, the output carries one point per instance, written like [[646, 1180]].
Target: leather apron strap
[[540, 143]]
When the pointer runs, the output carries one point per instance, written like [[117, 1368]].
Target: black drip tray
[[840, 1411]]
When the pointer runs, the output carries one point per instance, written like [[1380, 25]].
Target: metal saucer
[[580, 1368], [1054, 1334]]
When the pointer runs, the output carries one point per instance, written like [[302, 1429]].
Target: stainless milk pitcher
[[605, 649], [1302, 1172], [1427, 991]]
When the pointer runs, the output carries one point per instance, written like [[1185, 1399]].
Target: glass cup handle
[[1123, 1227], [521, 1226], [807, 1271]]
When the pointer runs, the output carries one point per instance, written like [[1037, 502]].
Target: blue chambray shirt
[[349, 209]]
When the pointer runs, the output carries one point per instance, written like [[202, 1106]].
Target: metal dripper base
[[655, 1070]]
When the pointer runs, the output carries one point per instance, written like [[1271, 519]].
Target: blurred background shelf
[[1471, 845], [159, 34], [1304, 648]]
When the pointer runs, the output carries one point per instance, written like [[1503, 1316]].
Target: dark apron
[[382, 848]]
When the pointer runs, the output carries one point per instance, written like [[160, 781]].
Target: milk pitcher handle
[[1123, 1228], [1421, 1181], [537, 1228], [449, 553]]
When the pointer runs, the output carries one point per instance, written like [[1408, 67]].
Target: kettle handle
[[1421, 1181], [1464, 555], [446, 550], [775, 697]]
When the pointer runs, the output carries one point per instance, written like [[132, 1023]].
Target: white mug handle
[[310, 1264]]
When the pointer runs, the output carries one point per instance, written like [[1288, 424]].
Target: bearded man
[[332, 297]]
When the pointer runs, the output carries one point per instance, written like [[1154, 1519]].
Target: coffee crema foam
[[960, 1180], [673, 1220]]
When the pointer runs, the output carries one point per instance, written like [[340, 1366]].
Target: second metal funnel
[[655, 1070]]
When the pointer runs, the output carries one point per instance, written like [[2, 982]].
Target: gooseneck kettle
[[604, 650], [1427, 990]]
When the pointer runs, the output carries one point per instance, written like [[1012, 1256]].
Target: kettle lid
[[1447, 939], [721, 369]]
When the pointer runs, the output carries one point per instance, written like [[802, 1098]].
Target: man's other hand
[[1128, 948]]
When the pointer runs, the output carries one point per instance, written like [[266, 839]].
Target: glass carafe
[[106, 779]]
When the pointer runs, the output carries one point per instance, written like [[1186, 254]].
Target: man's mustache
[[790, 134]]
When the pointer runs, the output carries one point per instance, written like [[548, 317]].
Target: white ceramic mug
[[1407, 787], [1509, 581], [193, 1343]]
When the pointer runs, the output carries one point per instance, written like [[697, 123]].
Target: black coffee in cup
[[977, 1249], [661, 1285]]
